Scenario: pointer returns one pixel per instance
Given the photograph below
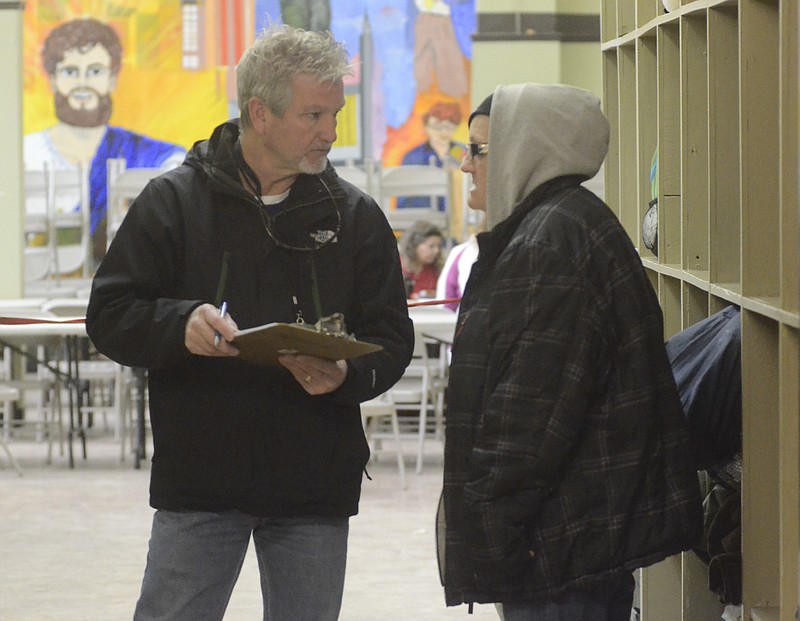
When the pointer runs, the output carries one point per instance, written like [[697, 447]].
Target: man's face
[[301, 139], [477, 166], [82, 84]]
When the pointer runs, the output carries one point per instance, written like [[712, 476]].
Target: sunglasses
[[477, 148]]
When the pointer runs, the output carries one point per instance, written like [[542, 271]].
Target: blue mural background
[[392, 25]]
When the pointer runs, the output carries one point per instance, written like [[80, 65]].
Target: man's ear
[[112, 83], [260, 115]]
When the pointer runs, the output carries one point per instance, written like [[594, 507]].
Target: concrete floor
[[73, 542]]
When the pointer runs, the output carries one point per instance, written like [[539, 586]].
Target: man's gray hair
[[281, 52]]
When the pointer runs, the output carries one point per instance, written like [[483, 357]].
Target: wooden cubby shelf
[[711, 88]]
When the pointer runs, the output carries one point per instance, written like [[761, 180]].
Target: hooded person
[[567, 462]]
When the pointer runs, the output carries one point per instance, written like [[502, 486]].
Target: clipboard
[[263, 344]]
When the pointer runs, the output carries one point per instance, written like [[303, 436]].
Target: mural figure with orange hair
[[441, 121]]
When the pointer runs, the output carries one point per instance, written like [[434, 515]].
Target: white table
[[62, 332], [434, 321], [437, 323]]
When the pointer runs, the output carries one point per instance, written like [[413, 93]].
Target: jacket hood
[[539, 132], [215, 156]]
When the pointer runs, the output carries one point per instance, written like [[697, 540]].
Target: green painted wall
[[11, 172], [510, 62], [581, 66], [538, 6], [550, 62]]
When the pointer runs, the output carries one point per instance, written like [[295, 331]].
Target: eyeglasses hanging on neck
[[306, 227]]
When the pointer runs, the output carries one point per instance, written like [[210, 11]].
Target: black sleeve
[[130, 318]]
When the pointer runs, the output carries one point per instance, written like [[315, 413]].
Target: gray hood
[[538, 132]]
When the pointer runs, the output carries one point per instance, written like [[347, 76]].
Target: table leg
[[71, 392], [75, 398]]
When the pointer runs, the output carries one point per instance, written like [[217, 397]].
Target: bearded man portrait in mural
[[82, 58]]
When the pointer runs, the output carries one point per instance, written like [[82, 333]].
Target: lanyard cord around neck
[[255, 186]]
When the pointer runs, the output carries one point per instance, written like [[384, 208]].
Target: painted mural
[[422, 55], [145, 79]]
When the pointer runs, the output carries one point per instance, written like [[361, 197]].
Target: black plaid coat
[[566, 457]]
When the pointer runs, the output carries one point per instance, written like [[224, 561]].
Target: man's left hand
[[317, 376]]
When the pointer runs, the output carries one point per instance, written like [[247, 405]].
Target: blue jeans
[[195, 558], [610, 602]]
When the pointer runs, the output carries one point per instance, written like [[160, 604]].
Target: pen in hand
[[223, 276], [222, 310]]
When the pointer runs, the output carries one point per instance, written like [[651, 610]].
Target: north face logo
[[322, 237]]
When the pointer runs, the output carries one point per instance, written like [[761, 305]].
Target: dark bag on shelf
[[706, 363]]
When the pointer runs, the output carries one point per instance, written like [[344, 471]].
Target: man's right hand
[[203, 325]]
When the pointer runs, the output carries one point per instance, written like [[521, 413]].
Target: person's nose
[[328, 131], [466, 164]]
